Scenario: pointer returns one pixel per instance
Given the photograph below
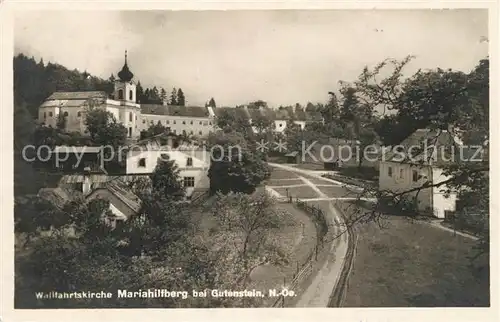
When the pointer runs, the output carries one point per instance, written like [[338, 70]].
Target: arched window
[[120, 94], [65, 114], [79, 114], [130, 95]]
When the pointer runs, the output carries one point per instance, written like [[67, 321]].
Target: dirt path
[[318, 293]]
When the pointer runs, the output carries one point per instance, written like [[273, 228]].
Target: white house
[[418, 160], [193, 164]]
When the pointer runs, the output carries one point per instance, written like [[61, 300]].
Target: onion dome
[[125, 74]]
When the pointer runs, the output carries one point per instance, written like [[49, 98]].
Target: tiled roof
[[442, 149], [282, 114], [120, 190], [77, 95], [314, 116], [300, 115], [175, 110]]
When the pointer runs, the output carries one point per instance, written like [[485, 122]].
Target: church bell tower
[[125, 89]]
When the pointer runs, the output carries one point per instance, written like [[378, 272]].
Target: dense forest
[[35, 81]]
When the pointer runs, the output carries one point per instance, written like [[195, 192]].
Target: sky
[[282, 57]]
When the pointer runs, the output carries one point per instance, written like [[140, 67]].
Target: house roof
[[77, 95], [121, 191], [314, 116], [432, 147], [175, 110], [300, 115], [282, 114]]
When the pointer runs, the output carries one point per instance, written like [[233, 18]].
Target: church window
[[130, 95], [65, 114], [79, 114], [120, 94], [50, 114], [130, 117], [142, 163]]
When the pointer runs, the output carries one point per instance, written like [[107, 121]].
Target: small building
[[293, 157], [76, 159], [122, 202]]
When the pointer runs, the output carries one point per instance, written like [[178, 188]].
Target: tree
[[181, 100], [166, 180], [235, 167], [257, 104], [163, 95], [358, 122], [139, 93], [249, 221], [437, 100], [104, 130], [211, 103], [153, 130], [331, 110], [310, 107], [173, 97]]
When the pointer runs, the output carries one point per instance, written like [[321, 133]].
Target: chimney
[[87, 183]]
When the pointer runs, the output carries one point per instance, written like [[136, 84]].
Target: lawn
[[311, 166], [337, 191], [282, 174], [411, 264], [281, 182], [298, 192], [298, 239]]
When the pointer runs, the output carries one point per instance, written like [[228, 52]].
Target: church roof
[[77, 95], [125, 74]]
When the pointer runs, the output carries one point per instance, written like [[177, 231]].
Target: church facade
[[71, 108]]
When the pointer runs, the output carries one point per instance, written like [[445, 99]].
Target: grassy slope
[[412, 264]]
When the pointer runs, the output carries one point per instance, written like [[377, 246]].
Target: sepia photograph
[[297, 158]]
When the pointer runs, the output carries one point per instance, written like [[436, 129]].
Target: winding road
[[318, 292]]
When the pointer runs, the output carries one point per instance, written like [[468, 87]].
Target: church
[[187, 120]]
